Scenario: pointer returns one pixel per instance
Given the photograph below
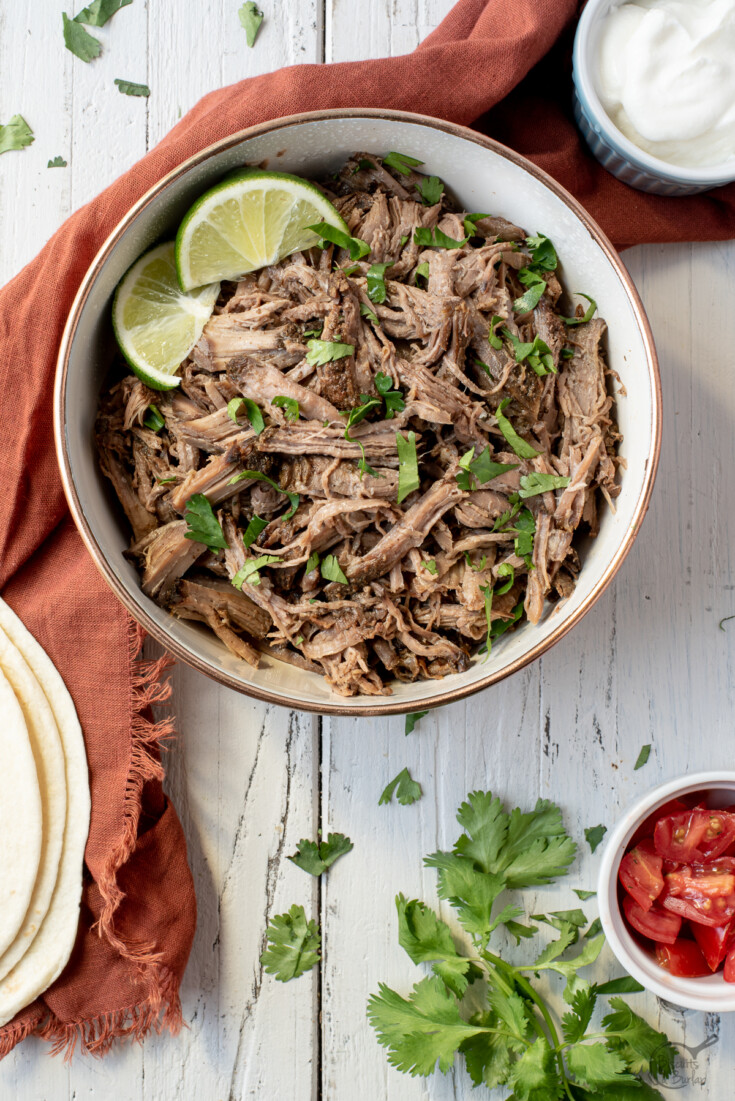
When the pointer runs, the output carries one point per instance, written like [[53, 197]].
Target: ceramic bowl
[[710, 993], [483, 176], [616, 152]]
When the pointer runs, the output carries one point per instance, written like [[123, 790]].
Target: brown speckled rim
[[337, 706]]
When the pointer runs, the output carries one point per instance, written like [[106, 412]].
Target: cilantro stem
[[513, 973]]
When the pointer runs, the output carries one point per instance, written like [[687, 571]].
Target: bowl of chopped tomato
[[667, 891]]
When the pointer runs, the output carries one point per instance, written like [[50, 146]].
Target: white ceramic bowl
[[483, 176], [616, 152], [710, 993]]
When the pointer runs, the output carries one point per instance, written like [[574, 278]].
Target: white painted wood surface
[[648, 664]]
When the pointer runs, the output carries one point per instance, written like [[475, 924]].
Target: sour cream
[[666, 77]]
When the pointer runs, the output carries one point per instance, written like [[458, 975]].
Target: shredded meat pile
[[428, 580]]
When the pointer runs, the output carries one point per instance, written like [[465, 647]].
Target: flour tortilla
[[20, 816], [52, 945], [49, 759]]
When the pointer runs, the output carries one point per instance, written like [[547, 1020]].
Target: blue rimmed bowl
[[611, 147]]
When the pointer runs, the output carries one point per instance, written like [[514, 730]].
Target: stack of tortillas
[[44, 818]]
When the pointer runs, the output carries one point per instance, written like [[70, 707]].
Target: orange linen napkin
[[504, 62]]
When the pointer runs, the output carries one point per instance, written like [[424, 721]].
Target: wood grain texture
[[648, 664]]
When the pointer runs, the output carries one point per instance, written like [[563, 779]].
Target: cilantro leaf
[[408, 467], [412, 718], [596, 1065], [584, 895], [583, 1001], [535, 1077], [152, 419], [643, 756], [487, 1056], [543, 253], [537, 353], [422, 271], [525, 525], [356, 248], [427, 939], [431, 190], [376, 281], [253, 530], [82, 44], [257, 476], [312, 562], [436, 238], [470, 221], [401, 163], [326, 351], [530, 299], [588, 314], [99, 11], [641, 1046], [252, 412], [420, 1030], [331, 570], [493, 339], [393, 399], [626, 984], [483, 468], [250, 572], [594, 835], [406, 790], [315, 857], [293, 945], [532, 484], [250, 17], [522, 449], [289, 406], [359, 413], [15, 134], [202, 525], [595, 928], [129, 89], [505, 570], [365, 311], [57, 162]]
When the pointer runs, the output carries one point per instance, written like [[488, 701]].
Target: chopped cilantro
[[252, 412], [152, 419], [487, 591], [431, 190], [436, 238], [532, 484], [250, 572], [584, 895], [536, 286], [99, 11], [289, 406], [522, 449], [320, 352], [252, 531], [408, 467], [470, 222], [356, 248], [413, 717], [129, 89], [393, 399], [538, 353], [543, 254], [331, 570], [493, 338], [257, 476], [430, 565], [404, 238], [202, 526], [588, 314], [422, 271], [250, 17], [483, 468], [642, 758], [525, 526], [401, 163], [594, 835], [315, 857], [15, 134], [567, 353], [312, 561], [365, 311], [376, 281], [406, 790], [505, 570], [80, 42], [57, 162]]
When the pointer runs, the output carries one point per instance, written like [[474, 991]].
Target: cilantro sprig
[[354, 245], [315, 857], [514, 1039]]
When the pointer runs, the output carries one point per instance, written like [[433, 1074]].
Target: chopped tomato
[[694, 835], [730, 966], [640, 873], [715, 941], [706, 912], [702, 893], [646, 828], [683, 959], [653, 923]]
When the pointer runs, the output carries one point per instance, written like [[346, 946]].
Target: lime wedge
[[246, 222], [155, 322]]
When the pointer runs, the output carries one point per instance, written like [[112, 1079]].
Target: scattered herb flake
[[530, 299], [252, 412], [81, 43], [493, 338], [422, 271], [253, 530], [401, 163], [431, 190], [470, 223], [202, 525], [129, 89], [376, 281], [534, 483], [356, 248], [543, 254], [15, 134], [331, 570], [413, 717], [584, 895], [430, 565], [588, 314], [522, 449], [567, 353], [408, 467], [436, 238], [406, 790], [315, 857], [250, 571], [320, 352], [365, 311], [404, 238], [99, 11], [293, 944], [312, 561], [153, 419], [57, 162], [289, 406], [250, 17], [483, 468], [505, 570], [594, 835], [393, 399], [642, 758]]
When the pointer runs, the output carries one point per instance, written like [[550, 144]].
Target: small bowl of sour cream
[[654, 88]]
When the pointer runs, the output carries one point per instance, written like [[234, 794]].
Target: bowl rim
[[335, 706], [716, 175], [694, 993]]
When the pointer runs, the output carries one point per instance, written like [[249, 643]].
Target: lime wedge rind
[[252, 219], [155, 323]]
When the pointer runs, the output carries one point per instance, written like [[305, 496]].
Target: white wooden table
[[647, 665]]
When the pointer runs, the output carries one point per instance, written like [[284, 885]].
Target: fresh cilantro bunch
[[514, 1039]]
